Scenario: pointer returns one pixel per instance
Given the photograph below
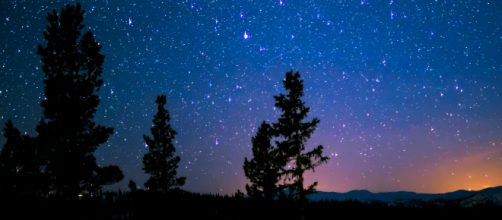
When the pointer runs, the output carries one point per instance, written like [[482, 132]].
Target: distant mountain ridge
[[493, 194]]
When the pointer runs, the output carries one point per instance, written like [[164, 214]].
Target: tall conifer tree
[[277, 168], [294, 131], [67, 133], [160, 161]]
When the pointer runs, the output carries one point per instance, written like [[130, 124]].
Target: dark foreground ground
[[183, 205]]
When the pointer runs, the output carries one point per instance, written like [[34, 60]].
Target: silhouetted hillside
[[186, 205], [463, 197]]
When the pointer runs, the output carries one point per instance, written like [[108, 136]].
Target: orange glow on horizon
[[451, 172]]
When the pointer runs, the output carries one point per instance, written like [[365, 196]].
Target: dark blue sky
[[408, 92]]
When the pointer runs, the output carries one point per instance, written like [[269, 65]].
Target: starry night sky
[[409, 93]]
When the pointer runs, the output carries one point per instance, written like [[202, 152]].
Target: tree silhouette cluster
[[60, 159], [19, 165], [277, 169]]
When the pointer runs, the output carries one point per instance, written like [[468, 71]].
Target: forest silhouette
[[55, 174]]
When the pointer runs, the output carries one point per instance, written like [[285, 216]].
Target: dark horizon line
[[321, 191], [417, 192]]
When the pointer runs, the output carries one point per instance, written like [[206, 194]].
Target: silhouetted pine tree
[[293, 132], [8, 163], [160, 161], [19, 165], [262, 170], [68, 135], [132, 186]]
